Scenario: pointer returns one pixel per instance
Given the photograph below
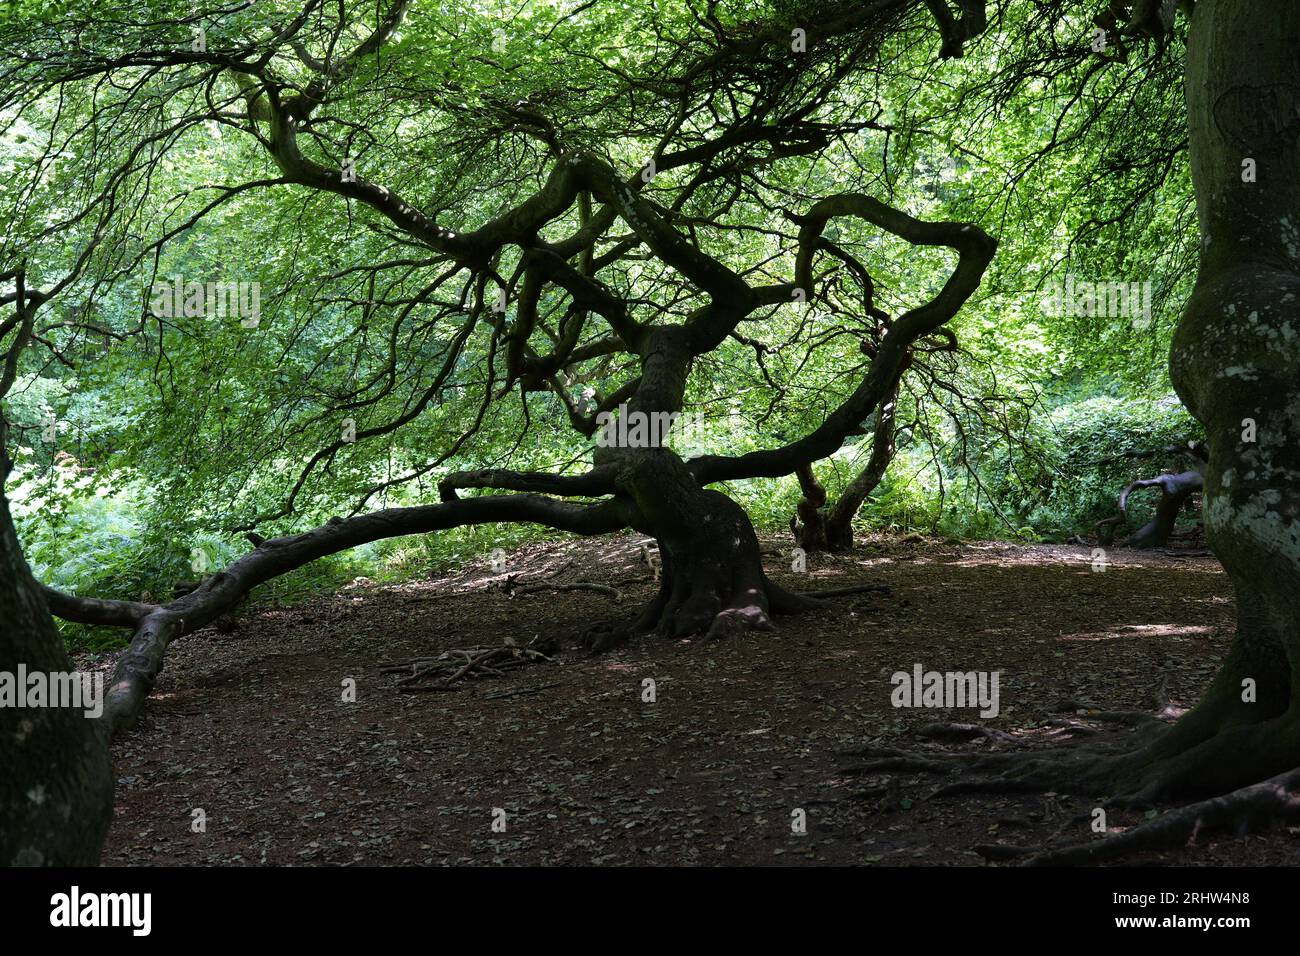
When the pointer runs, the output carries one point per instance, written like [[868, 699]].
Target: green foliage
[[1089, 446]]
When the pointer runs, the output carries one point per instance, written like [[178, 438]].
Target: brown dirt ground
[[251, 726]]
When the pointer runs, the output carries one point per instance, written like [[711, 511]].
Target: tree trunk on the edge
[[1236, 362], [56, 784]]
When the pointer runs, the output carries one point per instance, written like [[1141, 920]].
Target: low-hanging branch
[[156, 626]]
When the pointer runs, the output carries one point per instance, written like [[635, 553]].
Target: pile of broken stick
[[449, 670]]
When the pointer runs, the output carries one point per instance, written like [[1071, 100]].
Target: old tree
[[475, 233]]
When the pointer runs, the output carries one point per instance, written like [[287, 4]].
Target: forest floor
[[251, 727]]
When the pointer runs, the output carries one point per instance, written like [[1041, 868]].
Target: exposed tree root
[[665, 617], [1248, 810], [687, 610], [885, 759], [1211, 751]]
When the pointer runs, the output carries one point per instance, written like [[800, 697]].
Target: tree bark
[[809, 522], [56, 784]]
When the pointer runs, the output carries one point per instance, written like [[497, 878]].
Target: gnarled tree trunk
[[712, 579]]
